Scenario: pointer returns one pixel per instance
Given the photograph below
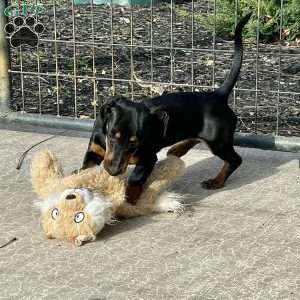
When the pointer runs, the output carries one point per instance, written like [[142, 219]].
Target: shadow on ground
[[255, 167]]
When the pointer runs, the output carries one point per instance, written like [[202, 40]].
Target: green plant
[[270, 19]]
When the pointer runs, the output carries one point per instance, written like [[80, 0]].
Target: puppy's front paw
[[76, 171], [133, 193], [212, 184]]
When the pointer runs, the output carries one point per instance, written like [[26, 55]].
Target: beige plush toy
[[76, 207]]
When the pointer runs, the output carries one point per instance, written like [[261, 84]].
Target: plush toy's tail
[[45, 172], [169, 202], [162, 175]]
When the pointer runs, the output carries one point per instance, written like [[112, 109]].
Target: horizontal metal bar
[[262, 141], [267, 142], [49, 121], [141, 81], [274, 52]]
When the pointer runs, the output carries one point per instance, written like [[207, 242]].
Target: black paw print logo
[[24, 31]]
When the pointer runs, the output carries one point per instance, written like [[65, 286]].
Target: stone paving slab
[[241, 242]]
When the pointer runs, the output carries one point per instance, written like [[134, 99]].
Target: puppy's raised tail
[[230, 81]]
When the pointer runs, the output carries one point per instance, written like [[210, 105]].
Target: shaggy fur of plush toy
[[76, 207]]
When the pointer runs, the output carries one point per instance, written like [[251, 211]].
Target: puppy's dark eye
[[133, 145], [133, 142], [114, 134], [111, 136]]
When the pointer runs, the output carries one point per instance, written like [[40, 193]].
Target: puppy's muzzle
[[114, 168]]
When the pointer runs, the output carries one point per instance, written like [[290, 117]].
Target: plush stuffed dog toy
[[76, 207]]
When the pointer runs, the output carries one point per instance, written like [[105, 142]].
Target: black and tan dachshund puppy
[[127, 132]]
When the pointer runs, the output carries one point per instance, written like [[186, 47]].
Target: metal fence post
[[4, 65]]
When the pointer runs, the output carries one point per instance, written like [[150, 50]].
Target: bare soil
[[257, 102]]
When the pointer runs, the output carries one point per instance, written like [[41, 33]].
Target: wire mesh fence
[[89, 53]]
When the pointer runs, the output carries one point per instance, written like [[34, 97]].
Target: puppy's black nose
[[114, 171], [70, 196]]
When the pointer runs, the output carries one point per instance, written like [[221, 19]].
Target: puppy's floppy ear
[[162, 116]]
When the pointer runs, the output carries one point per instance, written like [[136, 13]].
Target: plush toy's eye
[[79, 217], [54, 213]]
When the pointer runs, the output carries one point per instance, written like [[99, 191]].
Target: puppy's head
[[128, 126]]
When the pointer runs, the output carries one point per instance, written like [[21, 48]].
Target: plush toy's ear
[[86, 195], [45, 173], [100, 210]]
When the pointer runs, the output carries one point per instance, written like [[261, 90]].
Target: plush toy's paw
[[169, 202], [84, 238], [46, 161], [46, 171]]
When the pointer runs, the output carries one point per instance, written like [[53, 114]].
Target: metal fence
[[90, 52]]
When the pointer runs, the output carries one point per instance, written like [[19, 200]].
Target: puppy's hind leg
[[181, 148], [231, 162]]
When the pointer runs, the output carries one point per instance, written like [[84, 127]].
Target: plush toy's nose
[[70, 196]]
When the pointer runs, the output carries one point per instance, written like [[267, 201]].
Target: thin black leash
[[9, 242], [23, 155]]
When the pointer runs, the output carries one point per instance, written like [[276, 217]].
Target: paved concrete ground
[[241, 242]]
